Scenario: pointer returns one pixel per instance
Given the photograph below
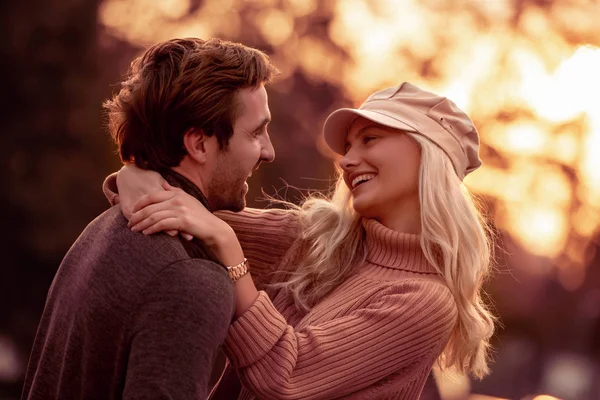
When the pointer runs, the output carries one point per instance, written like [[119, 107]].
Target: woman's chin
[[365, 209]]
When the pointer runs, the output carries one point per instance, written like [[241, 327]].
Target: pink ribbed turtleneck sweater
[[376, 336]]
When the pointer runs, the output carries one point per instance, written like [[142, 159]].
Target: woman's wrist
[[227, 246], [230, 252], [245, 294]]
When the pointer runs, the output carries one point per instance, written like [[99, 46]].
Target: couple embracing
[[352, 296]]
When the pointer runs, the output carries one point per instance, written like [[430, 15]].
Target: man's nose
[[267, 151]]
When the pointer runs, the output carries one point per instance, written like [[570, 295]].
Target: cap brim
[[337, 125]]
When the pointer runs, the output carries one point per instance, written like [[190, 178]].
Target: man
[[137, 316]]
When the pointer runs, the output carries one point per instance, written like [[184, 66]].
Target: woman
[[360, 294]]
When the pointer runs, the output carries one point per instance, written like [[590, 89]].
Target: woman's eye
[[367, 139]]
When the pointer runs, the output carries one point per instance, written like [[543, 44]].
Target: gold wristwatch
[[237, 271]]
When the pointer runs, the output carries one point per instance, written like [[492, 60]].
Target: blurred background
[[527, 71]]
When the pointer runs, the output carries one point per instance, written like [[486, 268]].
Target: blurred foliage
[[520, 68]]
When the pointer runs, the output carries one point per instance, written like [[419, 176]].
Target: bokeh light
[[522, 70]]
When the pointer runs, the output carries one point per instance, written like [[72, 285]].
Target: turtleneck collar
[[180, 181], [396, 250]]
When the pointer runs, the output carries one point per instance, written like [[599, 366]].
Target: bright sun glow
[[532, 93]]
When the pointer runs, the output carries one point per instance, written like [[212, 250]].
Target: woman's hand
[[133, 183], [174, 210]]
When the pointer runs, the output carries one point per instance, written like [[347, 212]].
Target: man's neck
[[191, 174], [176, 177]]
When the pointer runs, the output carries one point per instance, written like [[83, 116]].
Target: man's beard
[[227, 195], [226, 188]]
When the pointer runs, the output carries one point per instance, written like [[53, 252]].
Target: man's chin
[[236, 206], [232, 202]]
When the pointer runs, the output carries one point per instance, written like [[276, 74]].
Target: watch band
[[237, 271]]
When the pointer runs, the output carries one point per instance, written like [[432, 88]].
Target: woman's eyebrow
[[363, 130], [359, 133]]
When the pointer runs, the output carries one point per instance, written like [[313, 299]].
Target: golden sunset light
[[533, 99], [527, 72]]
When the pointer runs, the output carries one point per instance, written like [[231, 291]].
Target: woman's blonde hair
[[454, 238]]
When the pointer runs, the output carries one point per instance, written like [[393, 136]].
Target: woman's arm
[[174, 209], [265, 235], [402, 330], [387, 328], [129, 184]]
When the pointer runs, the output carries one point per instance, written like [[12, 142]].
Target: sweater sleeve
[[265, 236], [406, 325]]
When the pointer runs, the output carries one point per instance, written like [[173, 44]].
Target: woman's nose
[[349, 160]]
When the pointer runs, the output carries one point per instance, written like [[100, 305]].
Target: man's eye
[[367, 139], [260, 132]]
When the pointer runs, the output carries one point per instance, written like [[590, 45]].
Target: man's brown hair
[[177, 85]]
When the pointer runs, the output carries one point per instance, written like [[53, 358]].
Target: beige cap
[[411, 109]]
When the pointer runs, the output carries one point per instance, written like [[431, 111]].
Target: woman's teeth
[[361, 178]]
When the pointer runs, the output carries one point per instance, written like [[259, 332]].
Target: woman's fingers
[[165, 185], [151, 219], [187, 236], [149, 210], [165, 210], [184, 235], [152, 198], [164, 224]]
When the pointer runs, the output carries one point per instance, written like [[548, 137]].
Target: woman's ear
[[198, 145]]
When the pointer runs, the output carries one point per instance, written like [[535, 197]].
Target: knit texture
[[376, 336], [130, 316]]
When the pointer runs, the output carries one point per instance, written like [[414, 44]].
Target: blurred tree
[[53, 155]]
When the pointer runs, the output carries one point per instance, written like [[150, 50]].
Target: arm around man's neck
[[129, 184]]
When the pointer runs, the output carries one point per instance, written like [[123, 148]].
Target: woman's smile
[[360, 186], [360, 179]]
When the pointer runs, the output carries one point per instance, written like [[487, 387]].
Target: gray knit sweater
[[131, 316]]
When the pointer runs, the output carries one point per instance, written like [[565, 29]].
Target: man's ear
[[198, 145]]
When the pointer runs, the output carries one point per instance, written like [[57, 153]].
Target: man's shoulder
[[193, 281], [110, 233], [197, 272], [147, 256]]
